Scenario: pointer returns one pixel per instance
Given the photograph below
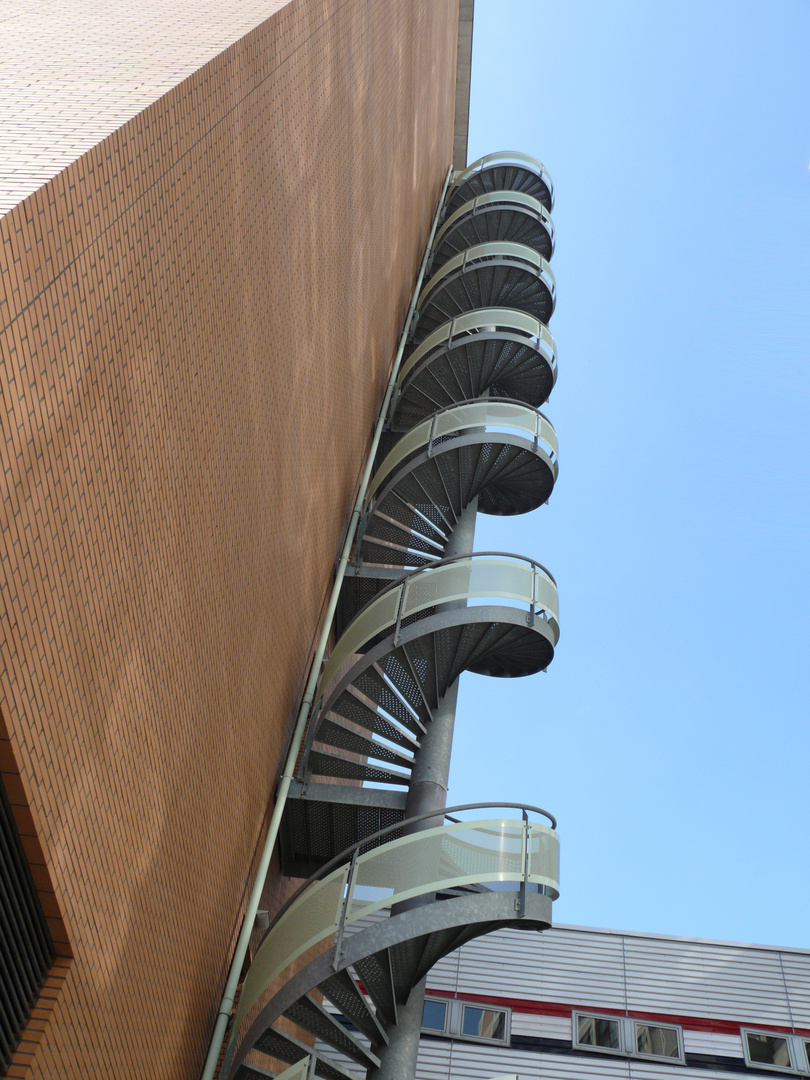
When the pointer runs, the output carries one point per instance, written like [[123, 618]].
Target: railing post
[[347, 899], [431, 434], [521, 911], [530, 616], [402, 591]]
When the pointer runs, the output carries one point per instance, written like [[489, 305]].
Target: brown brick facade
[[197, 318]]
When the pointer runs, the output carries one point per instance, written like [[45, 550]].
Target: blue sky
[[670, 735]]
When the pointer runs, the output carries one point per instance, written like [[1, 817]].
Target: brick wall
[[197, 318]]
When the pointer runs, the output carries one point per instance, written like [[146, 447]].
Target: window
[[479, 1023], [598, 1031], [773, 1050], [434, 1015], [465, 1020], [27, 950], [655, 1041], [623, 1035]]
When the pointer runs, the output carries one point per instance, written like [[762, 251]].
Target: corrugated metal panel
[[705, 980], [555, 966], [797, 977], [541, 1027], [641, 1070], [468, 1061], [444, 975], [709, 1042]]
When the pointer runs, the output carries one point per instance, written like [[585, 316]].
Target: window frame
[[798, 1048], [507, 1024], [617, 1051], [628, 1037], [454, 1020], [681, 1057], [438, 1001]]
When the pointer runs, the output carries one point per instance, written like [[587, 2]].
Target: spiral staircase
[[390, 892]]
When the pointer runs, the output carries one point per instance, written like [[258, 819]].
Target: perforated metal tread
[[277, 1044], [508, 477], [411, 678], [390, 957], [313, 1018], [488, 362], [502, 282], [328, 819], [483, 224], [501, 178]]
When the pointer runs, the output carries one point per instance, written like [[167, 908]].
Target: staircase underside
[[388, 958]]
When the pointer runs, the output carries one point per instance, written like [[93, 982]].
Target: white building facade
[[574, 1003]]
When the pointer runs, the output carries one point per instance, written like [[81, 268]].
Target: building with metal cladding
[[577, 1003]]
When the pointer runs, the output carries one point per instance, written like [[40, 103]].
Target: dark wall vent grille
[[26, 947]]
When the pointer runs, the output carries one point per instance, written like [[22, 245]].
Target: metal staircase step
[[408, 710], [320, 763], [252, 1072], [481, 285], [375, 974], [343, 991], [500, 178], [494, 223], [312, 1017], [410, 669], [353, 706], [324, 820], [277, 1044], [333, 732]]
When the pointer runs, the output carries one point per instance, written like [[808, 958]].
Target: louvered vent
[[26, 947]]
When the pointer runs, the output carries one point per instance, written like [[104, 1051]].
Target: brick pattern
[[196, 320], [71, 73]]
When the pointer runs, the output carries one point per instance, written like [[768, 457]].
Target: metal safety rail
[[498, 215], [508, 170], [499, 452], [496, 352], [468, 877], [399, 656], [498, 274]]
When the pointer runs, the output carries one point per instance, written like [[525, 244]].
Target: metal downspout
[[227, 1003]]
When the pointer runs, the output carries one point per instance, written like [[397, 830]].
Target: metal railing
[[496, 575], [354, 885], [489, 416], [517, 200], [500, 251], [504, 157], [492, 322]]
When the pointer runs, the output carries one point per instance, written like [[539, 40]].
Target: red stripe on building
[[559, 1008]]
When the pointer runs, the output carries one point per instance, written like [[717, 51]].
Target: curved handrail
[[496, 574], [347, 853], [483, 319], [504, 157], [496, 198], [483, 253], [433, 860], [499, 413]]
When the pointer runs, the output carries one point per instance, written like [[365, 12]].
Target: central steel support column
[[427, 791]]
